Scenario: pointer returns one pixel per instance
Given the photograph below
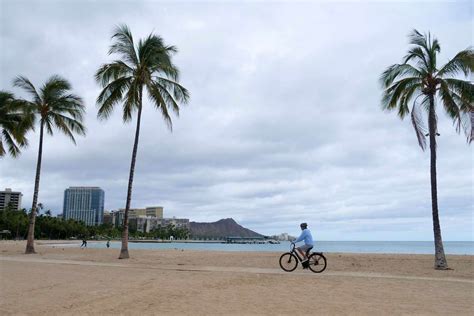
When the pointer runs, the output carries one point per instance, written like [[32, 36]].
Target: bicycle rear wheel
[[288, 262], [317, 262]]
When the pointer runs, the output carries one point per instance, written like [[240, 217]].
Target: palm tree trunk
[[124, 251], [30, 244], [440, 259]]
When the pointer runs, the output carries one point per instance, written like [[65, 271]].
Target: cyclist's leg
[[302, 250]]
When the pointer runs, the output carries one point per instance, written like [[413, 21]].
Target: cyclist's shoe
[[305, 264]]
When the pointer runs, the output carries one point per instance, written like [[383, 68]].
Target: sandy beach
[[72, 281]]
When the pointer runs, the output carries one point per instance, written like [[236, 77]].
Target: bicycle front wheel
[[288, 262], [317, 262]]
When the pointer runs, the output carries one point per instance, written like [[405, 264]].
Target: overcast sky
[[284, 124]]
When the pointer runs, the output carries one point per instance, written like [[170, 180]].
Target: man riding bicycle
[[308, 242]]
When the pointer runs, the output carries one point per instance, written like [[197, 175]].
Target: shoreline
[[233, 247]]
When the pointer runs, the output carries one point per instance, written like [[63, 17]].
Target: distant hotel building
[[84, 204], [147, 219], [146, 224], [108, 217], [152, 211], [10, 198]]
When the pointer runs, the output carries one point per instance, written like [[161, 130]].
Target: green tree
[[146, 65], [419, 80], [55, 107], [14, 124]]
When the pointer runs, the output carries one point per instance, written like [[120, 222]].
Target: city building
[[84, 204], [146, 224], [147, 219], [152, 211], [10, 198], [108, 217]]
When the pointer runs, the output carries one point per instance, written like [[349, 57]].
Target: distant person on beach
[[108, 244], [84, 243], [308, 241]]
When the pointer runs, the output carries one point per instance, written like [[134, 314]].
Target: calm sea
[[412, 247]]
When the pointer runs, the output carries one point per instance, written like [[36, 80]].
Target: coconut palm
[[142, 67], [14, 123], [55, 107], [419, 84]]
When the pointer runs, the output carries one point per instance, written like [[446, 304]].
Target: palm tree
[[418, 79], [55, 107], [14, 123], [145, 65]]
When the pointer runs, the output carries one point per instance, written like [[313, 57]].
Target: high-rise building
[[84, 204], [10, 198]]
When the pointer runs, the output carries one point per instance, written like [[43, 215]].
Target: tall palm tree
[[419, 80], [14, 123], [146, 65], [56, 108]]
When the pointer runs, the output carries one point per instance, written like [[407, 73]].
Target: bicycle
[[316, 260]]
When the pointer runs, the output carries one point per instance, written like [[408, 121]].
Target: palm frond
[[123, 44], [150, 48], [417, 54], [393, 95], [48, 124], [68, 125], [25, 84], [113, 71], [426, 49], [15, 121], [111, 95], [418, 39], [467, 125], [470, 128], [54, 88], [132, 100], [180, 93], [398, 71], [13, 149], [2, 149], [417, 122], [160, 103], [462, 62], [464, 89], [449, 104], [163, 64], [434, 49], [466, 112]]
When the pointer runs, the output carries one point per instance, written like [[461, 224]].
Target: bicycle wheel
[[317, 262], [288, 262]]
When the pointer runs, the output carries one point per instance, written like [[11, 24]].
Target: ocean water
[[408, 247]]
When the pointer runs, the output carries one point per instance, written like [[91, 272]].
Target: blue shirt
[[306, 236]]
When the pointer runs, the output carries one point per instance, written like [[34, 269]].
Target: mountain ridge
[[226, 227]]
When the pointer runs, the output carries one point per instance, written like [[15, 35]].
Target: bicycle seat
[[308, 251]]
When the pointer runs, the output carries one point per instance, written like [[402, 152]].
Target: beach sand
[[73, 281]]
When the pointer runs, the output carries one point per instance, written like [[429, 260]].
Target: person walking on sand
[[84, 243], [308, 242], [108, 244]]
